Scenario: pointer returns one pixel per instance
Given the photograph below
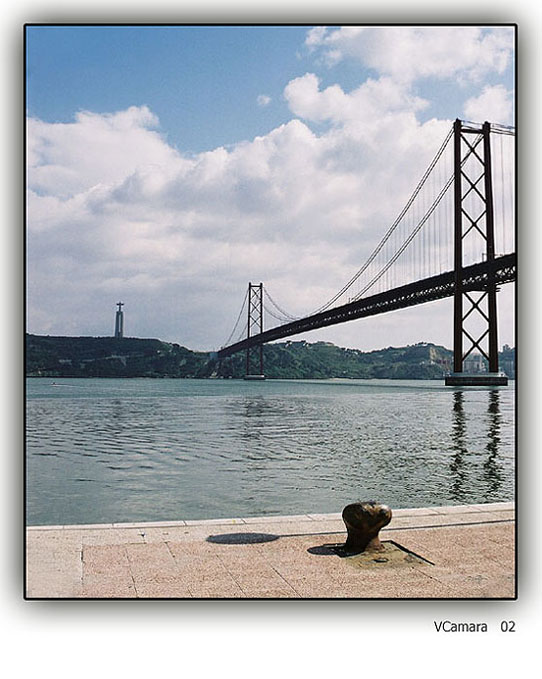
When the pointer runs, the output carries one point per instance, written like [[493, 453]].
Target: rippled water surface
[[106, 450]]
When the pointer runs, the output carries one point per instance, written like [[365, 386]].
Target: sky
[[168, 166]]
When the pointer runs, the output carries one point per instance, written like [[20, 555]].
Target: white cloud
[[164, 230], [67, 158], [494, 104], [263, 100], [374, 98], [316, 36], [408, 53]]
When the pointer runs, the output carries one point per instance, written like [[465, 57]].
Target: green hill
[[110, 357], [325, 360], [132, 357]]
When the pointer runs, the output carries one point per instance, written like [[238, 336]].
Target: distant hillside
[[110, 357], [325, 360], [132, 357]]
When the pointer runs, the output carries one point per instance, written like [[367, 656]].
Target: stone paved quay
[[466, 551]]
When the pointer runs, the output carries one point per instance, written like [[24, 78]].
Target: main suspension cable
[[392, 227], [407, 242], [285, 314], [227, 342]]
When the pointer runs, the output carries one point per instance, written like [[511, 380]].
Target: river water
[[118, 450]]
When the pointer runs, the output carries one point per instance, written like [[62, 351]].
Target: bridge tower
[[475, 312], [119, 321], [254, 355]]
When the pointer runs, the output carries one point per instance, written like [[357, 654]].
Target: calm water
[[105, 450]]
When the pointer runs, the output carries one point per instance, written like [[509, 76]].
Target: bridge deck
[[475, 277]]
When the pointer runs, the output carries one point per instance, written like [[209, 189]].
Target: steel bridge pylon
[[475, 311], [254, 354]]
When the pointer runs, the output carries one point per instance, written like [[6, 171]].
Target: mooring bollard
[[363, 522]]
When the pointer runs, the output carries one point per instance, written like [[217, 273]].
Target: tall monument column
[[119, 321]]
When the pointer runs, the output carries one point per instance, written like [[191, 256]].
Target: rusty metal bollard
[[363, 522]]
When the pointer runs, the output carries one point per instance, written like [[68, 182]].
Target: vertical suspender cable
[[503, 202]]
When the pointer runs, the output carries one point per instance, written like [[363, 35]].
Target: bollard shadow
[[241, 538]]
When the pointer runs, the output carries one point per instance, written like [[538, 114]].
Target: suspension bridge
[[455, 237]]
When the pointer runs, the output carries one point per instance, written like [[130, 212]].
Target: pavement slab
[[466, 552]]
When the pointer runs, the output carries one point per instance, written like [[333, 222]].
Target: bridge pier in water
[[474, 219], [254, 354]]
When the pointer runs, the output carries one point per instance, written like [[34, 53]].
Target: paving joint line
[[286, 581], [430, 511], [449, 525], [391, 528]]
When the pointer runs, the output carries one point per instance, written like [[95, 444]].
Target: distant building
[[507, 361], [475, 363], [119, 321]]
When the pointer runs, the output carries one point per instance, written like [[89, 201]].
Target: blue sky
[[170, 165], [202, 82]]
